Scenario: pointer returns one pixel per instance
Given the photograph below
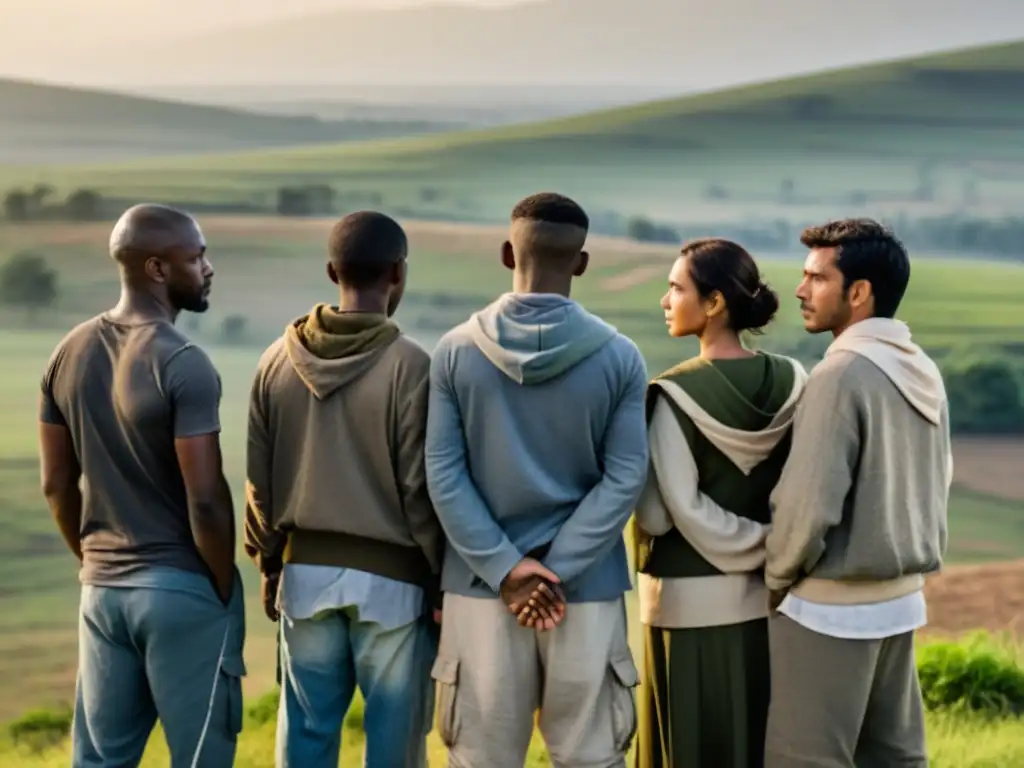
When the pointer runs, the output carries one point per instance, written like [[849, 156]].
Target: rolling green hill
[[919, 135], [42, 123]]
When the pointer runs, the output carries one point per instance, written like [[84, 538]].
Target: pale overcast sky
[[689, 43]]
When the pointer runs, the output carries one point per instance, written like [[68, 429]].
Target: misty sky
[[681, 44]]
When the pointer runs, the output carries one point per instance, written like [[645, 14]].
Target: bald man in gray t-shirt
[[130, 407]]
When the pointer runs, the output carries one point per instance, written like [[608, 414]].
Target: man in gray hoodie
[[536, 453], [859, 516]]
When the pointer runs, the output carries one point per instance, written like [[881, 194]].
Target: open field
[[270, 270], [53, 124], [861, 139], [274, 264]]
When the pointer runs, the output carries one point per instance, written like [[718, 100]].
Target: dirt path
[[992, 465], [967, 598]]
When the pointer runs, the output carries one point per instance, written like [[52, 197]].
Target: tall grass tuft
[[978, 674]]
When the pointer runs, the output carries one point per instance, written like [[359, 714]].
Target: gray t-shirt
[[126, 392]]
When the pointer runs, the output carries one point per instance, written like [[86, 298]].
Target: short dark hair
[[364, 245], [721, 265], [551, 208], [866, 250]]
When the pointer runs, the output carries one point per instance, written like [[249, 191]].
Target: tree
[[37, 199], [646, 231], [27, 281], [84, 205], [985, 398], [16, 205]]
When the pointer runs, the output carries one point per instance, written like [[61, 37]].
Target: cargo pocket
[[446, 676], [624, 680], [232, 670]]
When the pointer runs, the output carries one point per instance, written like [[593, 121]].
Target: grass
[[868, 129], [964, 730], [54, 124]]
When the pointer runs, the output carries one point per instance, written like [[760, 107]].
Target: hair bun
[[764, 303]]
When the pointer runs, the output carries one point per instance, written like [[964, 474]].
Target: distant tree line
[[967, 235], [40, 203], [986, 397], [27, 283]]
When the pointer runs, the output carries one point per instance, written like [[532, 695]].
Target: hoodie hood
[[532, 338], [887, 344], [329, 349], [745, 448]]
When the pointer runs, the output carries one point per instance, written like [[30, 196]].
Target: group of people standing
[[445, 532]]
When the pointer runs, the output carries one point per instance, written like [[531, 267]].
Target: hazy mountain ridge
[[43, 123]]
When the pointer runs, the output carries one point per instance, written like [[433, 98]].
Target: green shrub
[[976, 674], [264, 710], [41, 728]]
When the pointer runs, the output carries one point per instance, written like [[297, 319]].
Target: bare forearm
[[213, 530], [66, 508]]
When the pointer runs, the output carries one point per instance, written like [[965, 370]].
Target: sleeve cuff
[[498, 566]]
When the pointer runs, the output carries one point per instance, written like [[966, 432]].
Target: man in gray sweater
[[859, 516]]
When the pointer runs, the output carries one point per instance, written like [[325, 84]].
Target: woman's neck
[[723, 346]]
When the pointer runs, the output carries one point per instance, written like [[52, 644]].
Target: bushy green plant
[[976, 674], [41, 728], [264, 710]]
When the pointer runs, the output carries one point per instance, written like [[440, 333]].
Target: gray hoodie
[[536, 443], [859, 514]]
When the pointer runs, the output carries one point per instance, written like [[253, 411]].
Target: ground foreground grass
[[974, 688], [954, 741]]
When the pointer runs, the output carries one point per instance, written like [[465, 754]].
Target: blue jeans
[[323, 659], [172, 652]]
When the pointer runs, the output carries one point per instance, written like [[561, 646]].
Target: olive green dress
[[703, 702]]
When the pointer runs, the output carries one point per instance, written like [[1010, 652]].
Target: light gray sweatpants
[[493, 675]]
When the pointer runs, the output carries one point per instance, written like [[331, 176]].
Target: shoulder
[[271, 355], [456, 338], [411, 352], [688, 368], [785, 361], [623, 354], [74, 343], [451, 344], [841, 375], [187, 365], [189, 356], [411, 361]]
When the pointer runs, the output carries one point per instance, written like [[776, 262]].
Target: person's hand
[[437, 615], [775, 598], [545, 608], [533, 595], [269, 583]]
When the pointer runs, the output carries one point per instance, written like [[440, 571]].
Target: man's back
[[539, 385], [125, 392]]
